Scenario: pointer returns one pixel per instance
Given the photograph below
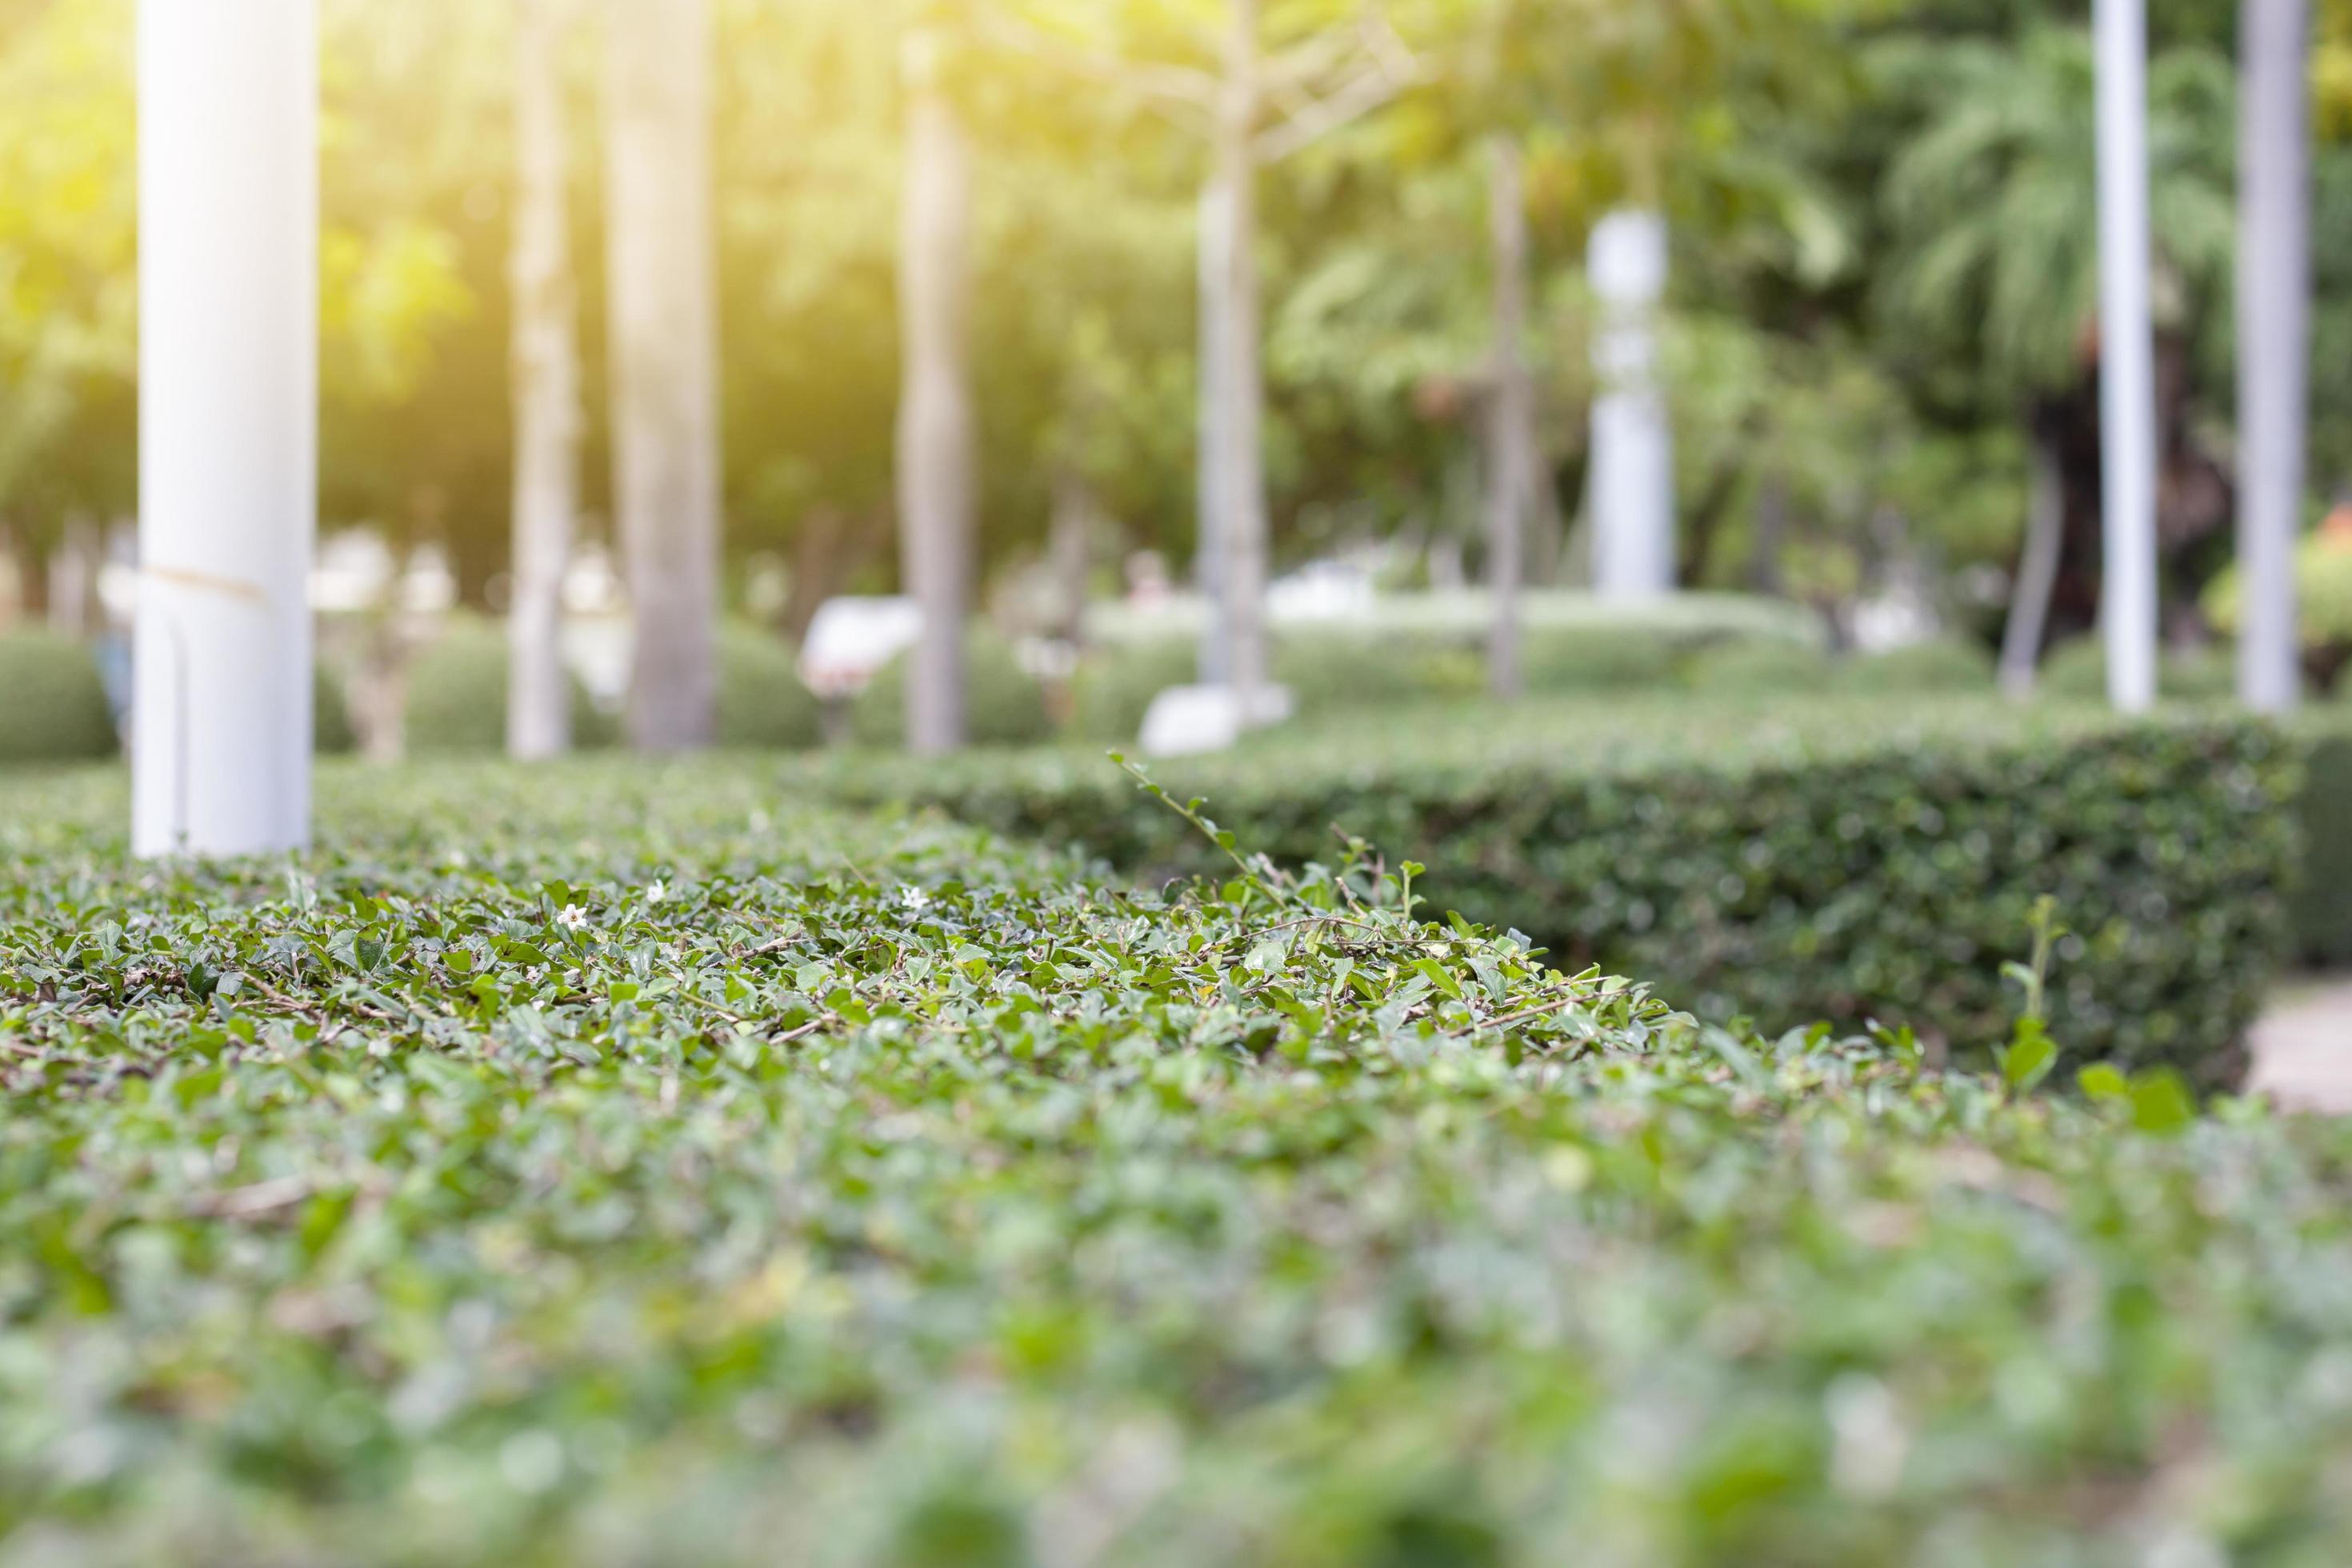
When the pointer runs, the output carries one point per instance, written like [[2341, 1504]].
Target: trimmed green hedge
[[331, 732], [761, 703], [1844, 860], [1004, 705], [1431, 647], [1766, 670], [1948, 665], [457, 695], [608, 1164], [53, 704], [2077, 672], [2320, 901]]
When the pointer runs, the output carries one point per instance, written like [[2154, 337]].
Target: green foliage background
[[1881, 267]]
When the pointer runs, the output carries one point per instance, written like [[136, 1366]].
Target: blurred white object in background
[[354, 572], [1631, 497], [1322, 590], [1186, 720], [428, 587], [851, 638], [591, 584]]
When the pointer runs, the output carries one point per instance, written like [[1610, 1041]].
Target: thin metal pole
[[2127, 357], [2273, 346]]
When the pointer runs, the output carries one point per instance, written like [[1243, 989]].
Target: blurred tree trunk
[[2037, 571], [1547, 524], [1241, 401], [936, 488], [1510, 465], [831, 547], [664, 338], [73, 579], [1771, 533], [2274, 349], [546, 389], [1215, 246], [1071, 547]]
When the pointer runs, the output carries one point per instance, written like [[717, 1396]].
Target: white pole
[[227, 425], [2273, 351], [2127, 357], [1631, 492]]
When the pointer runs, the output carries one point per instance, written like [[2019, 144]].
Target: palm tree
[[665, 360], [1993, 203]]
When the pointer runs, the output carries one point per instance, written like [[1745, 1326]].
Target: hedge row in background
[[1844, 860], [54, 706], [1004, 705], [457, 695], [1432, 647], [2321, 898], [608, 1164]]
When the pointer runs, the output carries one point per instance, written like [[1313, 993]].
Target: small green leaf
[[2162, 1106], [2103, 1080], [2030, 1057]]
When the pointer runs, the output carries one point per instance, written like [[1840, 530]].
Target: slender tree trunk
[[1241, 503], [936, 493], [831, 547], [546, 389], [1772, 531], [228, 310], [1548, 525], [1511, 462], [2037, 570], [664, 340], [1072, 549], [2274, 349], [73, 579], [1215, 246]]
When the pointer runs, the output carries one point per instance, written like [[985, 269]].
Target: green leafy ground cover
[[1847, 857], [618, 1165]]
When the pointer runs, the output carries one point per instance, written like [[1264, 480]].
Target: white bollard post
[[2127, 357], [1631, 498], [2274, 340], [227, 425]]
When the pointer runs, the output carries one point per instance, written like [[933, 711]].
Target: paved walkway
[[2302, 1050]]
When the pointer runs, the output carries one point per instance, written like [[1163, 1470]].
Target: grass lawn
[[631, 1163]]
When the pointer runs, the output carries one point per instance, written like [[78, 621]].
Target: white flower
[[573, 918], [914, 898], [657, 891]]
